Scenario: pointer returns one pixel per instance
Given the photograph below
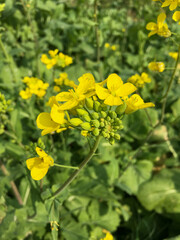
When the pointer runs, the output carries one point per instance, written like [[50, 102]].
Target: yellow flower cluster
[[58, 59], [156, 66], [113, 47], [174, 55], [34, 86], [138, 80], [173, 4], [2, 6], [63, 80]]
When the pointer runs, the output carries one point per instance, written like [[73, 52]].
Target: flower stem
[[65, 166], [81, 166], [169, 87]]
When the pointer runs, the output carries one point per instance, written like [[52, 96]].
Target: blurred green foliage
[[131, 188]]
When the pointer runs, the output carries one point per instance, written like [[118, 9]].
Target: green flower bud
[[117, 136], [89, 103], [96, 106], [121, 127], [111, 141], [108, 119], [95, 123], [95, 115], [81, 112], [104, 107], [112, 134], [102, 124], [96, 132], [112, 114], [75, 121], [103, 114], [86, 126], [86, 118], [121, 109], [108, 135], [117, 121], [104, 134]]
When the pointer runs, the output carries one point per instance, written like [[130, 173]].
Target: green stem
[[9, 60], [65, 166], [81, 166], [169, 86]]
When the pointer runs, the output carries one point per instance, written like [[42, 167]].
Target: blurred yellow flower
[[113, 47], [174, 55], [135, 102], [138, 80], [176, 16], [108, 235], [25, 94], [107, 45], [56, 88], [173, 4], [2, 6], [39, 165], [160, 27], [63, 80], [156, 66], [116, 90]]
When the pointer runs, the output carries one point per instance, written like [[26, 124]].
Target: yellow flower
[[139, 81], [25, 94], [108, 236], [160, 28], [176, 16], [135, 102], [57, 89], [173, 4], [2, 6], [39, 165], [173, 55], [74, 97], [156, 66], [113, 47], [107, 45], [116, 90]]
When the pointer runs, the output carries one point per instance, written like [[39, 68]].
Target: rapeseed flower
[[138, 80], [39, 165], [173, 4], [116, 90], [2, 6], [174, 55], [64, 80], [160, 27], [107, 45], [135, 102], [108, 236], [156, 66], [72, 98], [176, 16]]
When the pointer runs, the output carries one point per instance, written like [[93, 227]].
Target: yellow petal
[[166, 3], [151, 26], [126, 89], [61, 130], [176, 16], [87, 82], [31, 162], [44, 121], [41, 152], [114, 82], [113, 101], [152, 33], [38, 173], [64, 96], [69, 104], [173, 5], [146, 105], [101, 92], [49, 130], [161, 18], [57, 114]]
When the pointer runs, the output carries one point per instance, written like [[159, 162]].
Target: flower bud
[[117, 136], [108, 119], [104, 134], [96, 106], [111, 141], [103, 114], [96, 132], [95, 115], [121, 109], [86, 118], [75, 121], [95, 123], [102, 124], [81, 112], [89, 103], [86, 126], [112, 114]]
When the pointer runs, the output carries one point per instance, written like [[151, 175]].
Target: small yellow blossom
[[54, 225], [57, 89], [138, 80], [156, 66], [107, 45], [39, 165], [173, 4], [84, 133], [173, 55], [160, 27], [2, 6], [108, 235], [116, 90], [73, 97], [63, 80], [123, 30], [176, 16], [25, 94], [113, 47], [135, 102]]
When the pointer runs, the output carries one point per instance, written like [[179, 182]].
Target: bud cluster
[[5, 107], [94, 118]]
